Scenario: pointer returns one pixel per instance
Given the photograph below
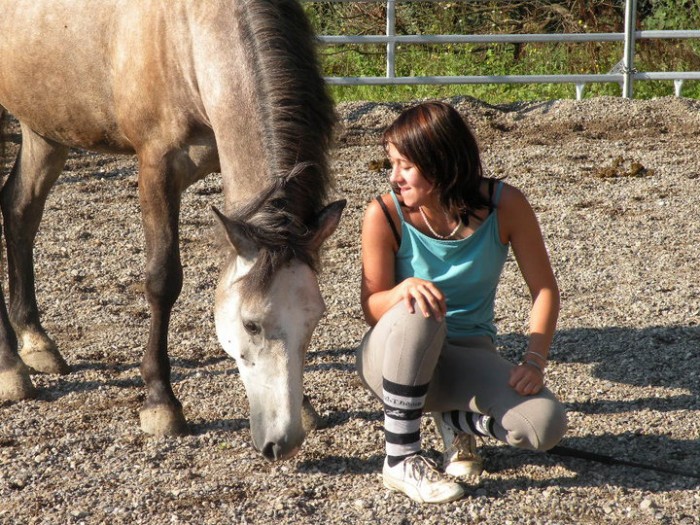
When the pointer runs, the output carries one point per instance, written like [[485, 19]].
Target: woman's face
[[407, 181]]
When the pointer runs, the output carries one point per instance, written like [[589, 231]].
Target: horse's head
[[268, 303]]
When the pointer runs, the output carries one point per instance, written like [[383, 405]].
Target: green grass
[[540, 59], [499, 59]]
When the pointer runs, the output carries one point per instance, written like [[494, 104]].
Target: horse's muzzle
[[274, 452]]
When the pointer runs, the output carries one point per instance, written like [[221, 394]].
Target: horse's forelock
[[279, 229], [259, 279]]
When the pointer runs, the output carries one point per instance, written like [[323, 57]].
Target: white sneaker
[[460, 458], [420, 480]]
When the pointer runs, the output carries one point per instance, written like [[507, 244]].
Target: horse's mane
[[298, 117]]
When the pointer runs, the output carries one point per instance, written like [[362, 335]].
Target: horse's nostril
[[271, 451]]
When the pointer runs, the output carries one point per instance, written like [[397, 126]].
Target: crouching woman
[[433, 250]]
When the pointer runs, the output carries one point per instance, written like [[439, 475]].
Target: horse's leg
[[36, 169], [15, 383], [159, 193]]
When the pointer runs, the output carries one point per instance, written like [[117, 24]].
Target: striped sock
[[470, 422], [403, 408]]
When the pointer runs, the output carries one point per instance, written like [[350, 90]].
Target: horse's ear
[[236, 235], [327, 222]]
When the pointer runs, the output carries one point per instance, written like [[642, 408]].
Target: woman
[[433, 251]]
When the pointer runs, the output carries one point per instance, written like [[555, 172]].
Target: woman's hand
[[426, 295], [526, 379]]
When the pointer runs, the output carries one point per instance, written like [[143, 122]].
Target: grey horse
[[190, 87]]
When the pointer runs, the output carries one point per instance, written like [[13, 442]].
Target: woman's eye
[[252, 327]]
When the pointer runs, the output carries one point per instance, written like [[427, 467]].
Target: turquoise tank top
[[466, 270]]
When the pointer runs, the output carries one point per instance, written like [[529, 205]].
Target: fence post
[[628, 59], [391, 32]]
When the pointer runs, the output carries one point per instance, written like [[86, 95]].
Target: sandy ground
[[615, 185]]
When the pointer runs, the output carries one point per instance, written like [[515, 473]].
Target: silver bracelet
[[539, 356], [536, 365]]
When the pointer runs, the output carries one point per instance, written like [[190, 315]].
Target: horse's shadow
[[323, 360], [218, 425], [662, 357], [183, 368]]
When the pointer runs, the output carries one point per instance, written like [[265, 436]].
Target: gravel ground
[[615, 184]]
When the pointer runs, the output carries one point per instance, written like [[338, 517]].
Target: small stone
[[646, 504]]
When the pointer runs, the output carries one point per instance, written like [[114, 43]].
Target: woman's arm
[[379, 290], [520, 226]]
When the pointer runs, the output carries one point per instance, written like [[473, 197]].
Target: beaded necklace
[[436, 234]]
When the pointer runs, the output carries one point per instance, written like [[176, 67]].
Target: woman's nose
[[394, 174]]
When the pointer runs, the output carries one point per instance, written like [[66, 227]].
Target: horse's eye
[[251, 327]]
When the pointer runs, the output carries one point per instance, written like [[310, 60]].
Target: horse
[[190, 88]]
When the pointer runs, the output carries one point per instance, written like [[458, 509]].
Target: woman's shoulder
[[498, 194], [512, 209], [515, 212], [384, 203], [378, 203], [508, 195], [382, 219]]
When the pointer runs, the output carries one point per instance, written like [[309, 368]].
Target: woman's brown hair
[[435, 138]]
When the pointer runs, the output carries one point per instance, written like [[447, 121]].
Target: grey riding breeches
[[465, 374]]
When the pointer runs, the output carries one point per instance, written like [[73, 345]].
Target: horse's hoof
[[310, 420], [163, 420], [45, 362], [42, 355], [16, 385]]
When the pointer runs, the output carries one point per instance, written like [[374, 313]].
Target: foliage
[[500, 17], [673, 14]]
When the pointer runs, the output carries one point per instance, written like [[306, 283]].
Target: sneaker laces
[[419, 467], [464, 447]]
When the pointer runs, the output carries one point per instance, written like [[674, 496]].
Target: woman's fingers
[[426, 296], [526, 380], [430, 301]]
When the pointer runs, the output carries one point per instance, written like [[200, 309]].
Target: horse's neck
[[244, 157]]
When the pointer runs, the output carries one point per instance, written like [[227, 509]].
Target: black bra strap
[[390, 220], [491, 184]]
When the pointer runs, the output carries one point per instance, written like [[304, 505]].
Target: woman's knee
[[555, 429], [404, 345], [540, 427], [403, 333], [415, 327]]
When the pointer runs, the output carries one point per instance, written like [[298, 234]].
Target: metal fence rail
[[624, 73]]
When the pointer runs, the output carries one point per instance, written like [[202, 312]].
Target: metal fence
[[624, 73]]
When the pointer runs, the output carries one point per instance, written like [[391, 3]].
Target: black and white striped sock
[[403, 408], [470, 422]]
